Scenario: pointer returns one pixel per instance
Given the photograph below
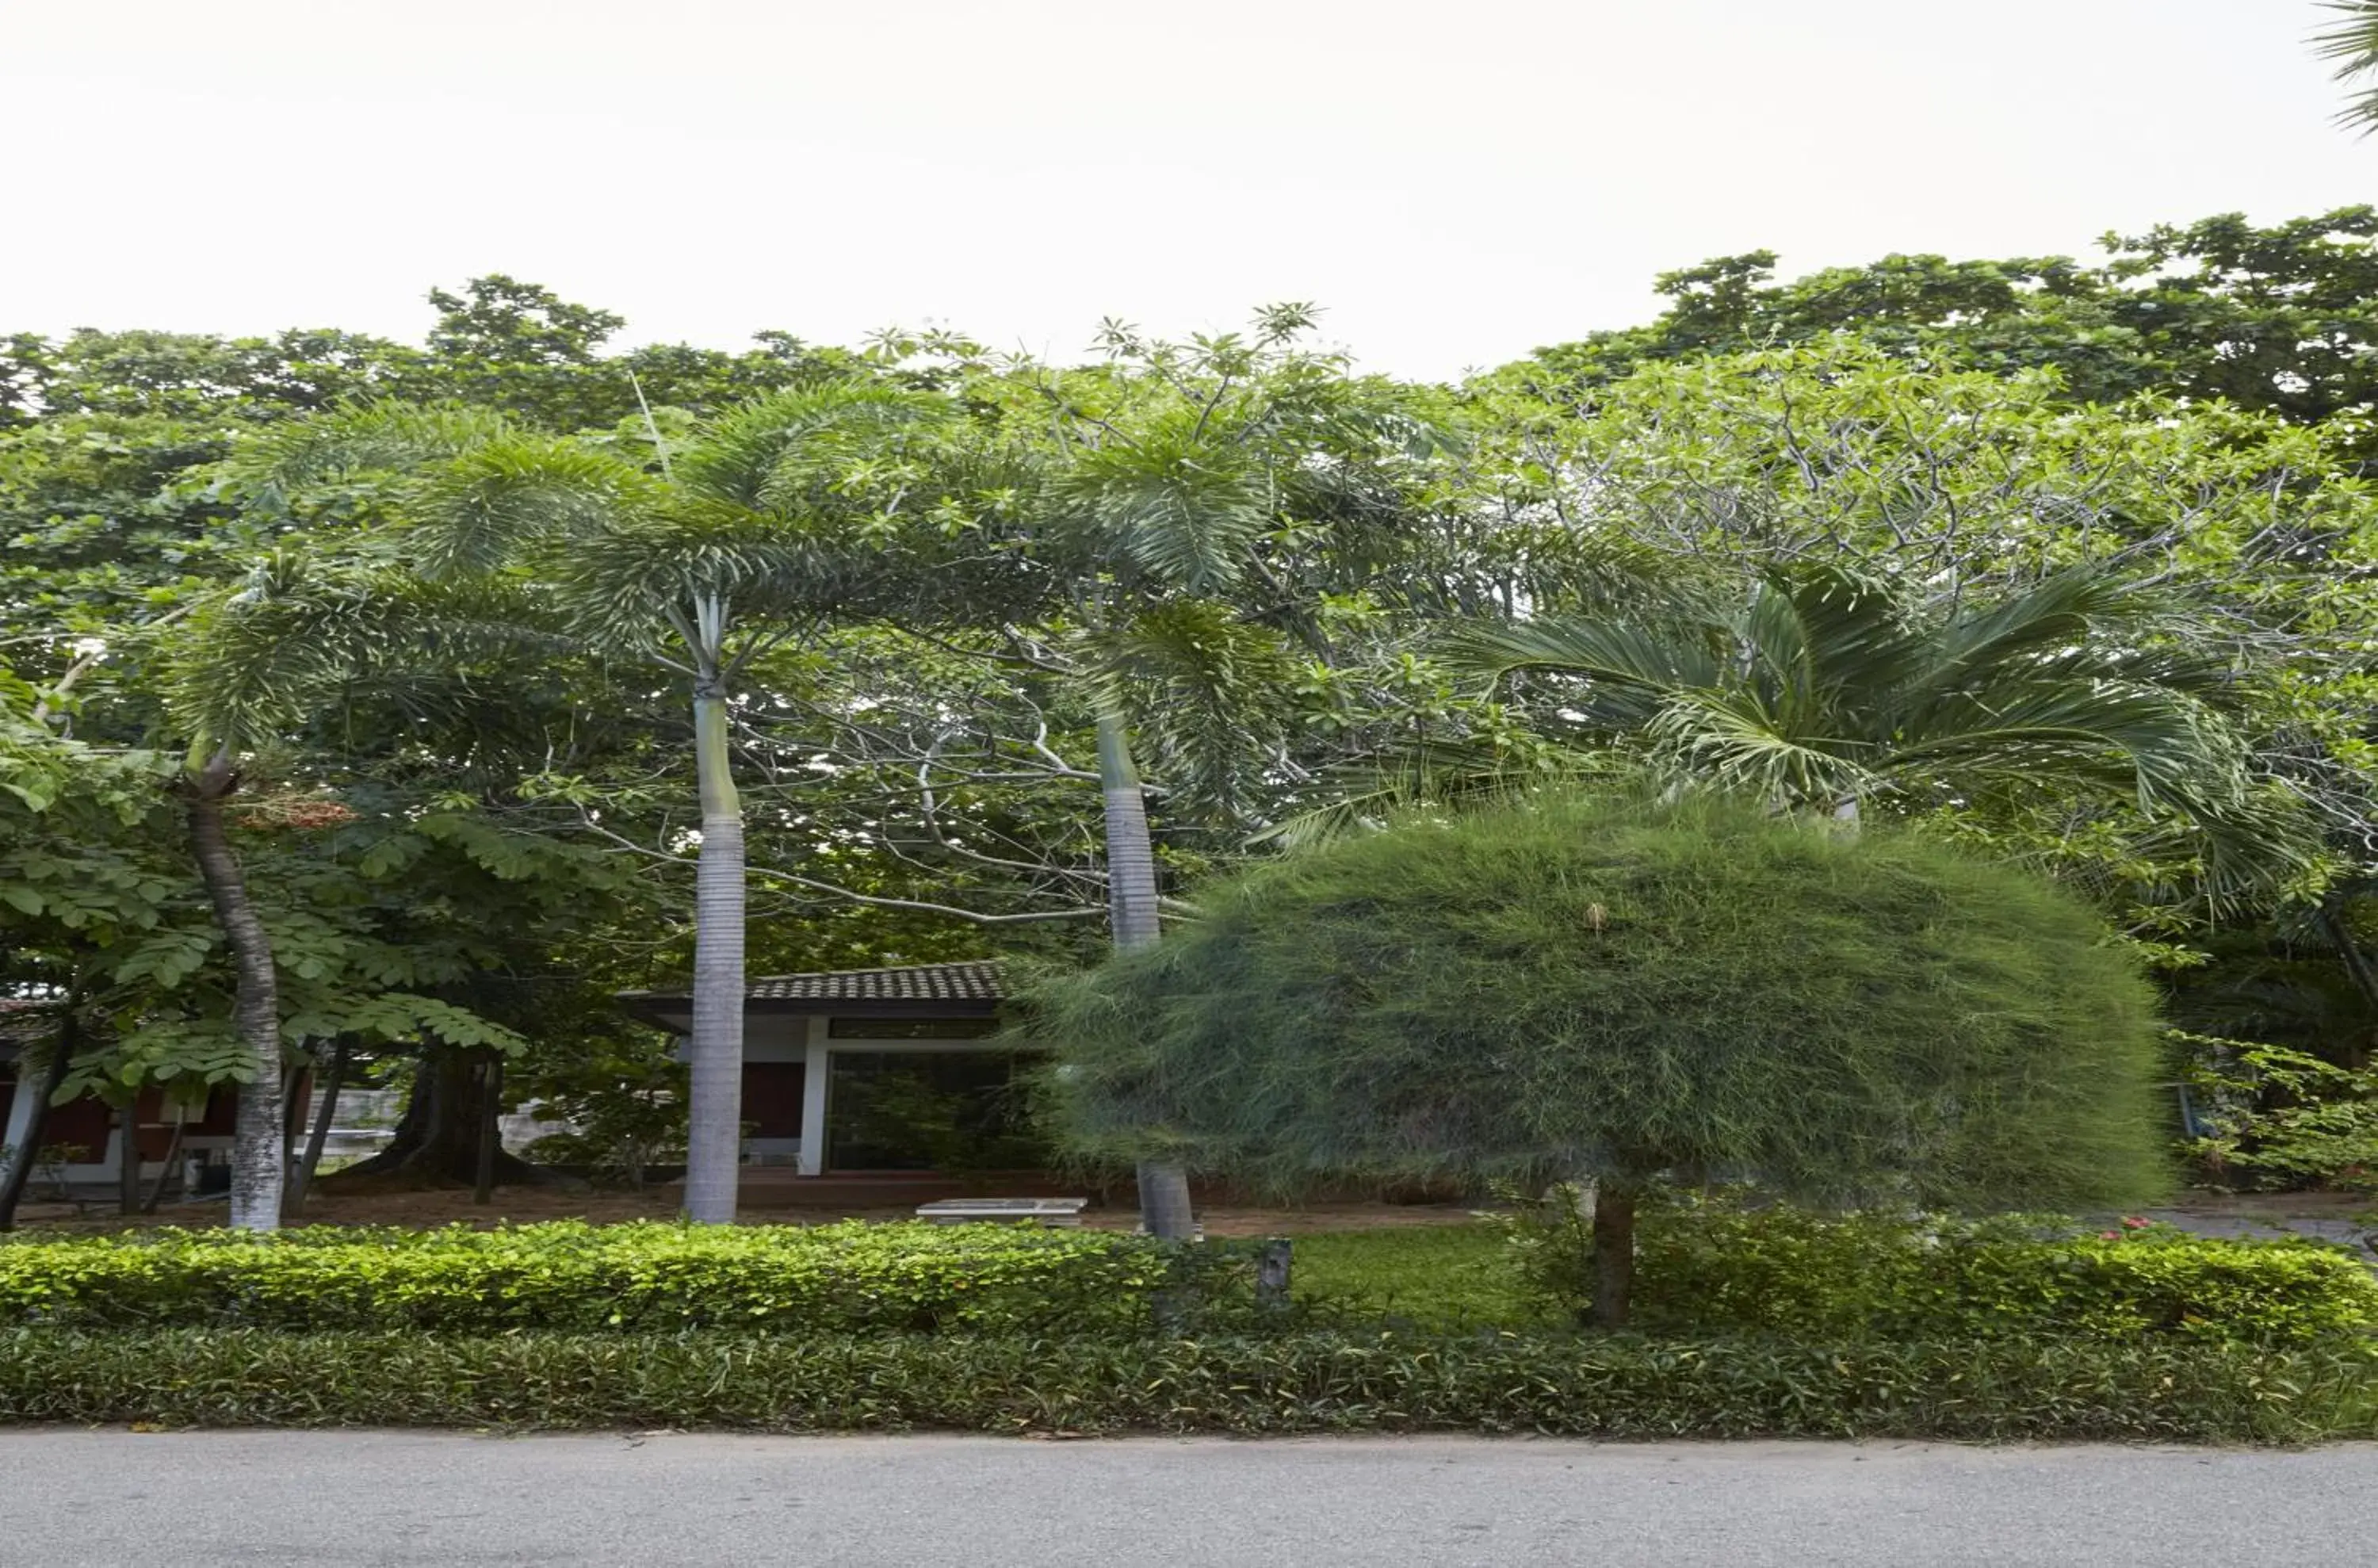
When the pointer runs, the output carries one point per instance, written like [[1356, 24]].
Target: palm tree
[[2352, 42], [1822, 690], [769, 521], [1170, 476]]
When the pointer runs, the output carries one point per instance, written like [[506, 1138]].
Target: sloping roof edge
[[972, 980]]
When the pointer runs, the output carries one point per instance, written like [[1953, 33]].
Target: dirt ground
[[522, 1205], [334, 1205]]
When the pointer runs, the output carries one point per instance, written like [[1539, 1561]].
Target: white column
[[813, 1073]]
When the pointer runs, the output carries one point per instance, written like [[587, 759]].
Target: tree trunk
[[301, 1181], [1164, 1207], [2357, 968], [165, 1171], [1614, 1253], [20, 1159], [492, 1140], [438, 1138], [127, 1159], [259, 1156], [713, 1142]]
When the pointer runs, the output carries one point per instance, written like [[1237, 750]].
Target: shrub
[[1719, 1264], [1437, 1278], [823, 1280], [2277, 1117], [1574, 987], [1612, 1387]]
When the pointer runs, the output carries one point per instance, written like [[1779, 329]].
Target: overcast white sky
[[1457, 182]]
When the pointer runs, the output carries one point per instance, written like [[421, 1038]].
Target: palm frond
[[299, 632], [387, 437], [1177, 509], [1731, 741], [1639, 655], [482, 508], [799, 444], [1363, 795], [2352, 44], [1202, 687]]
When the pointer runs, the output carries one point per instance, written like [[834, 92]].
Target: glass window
[[951, 1111]]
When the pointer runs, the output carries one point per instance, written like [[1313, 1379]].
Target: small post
[[1271, 1274]]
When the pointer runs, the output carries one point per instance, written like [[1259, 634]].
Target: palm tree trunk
[[21, 1159], [259, 1158], [714, 1096], [2339, 927], [1164, 1207]]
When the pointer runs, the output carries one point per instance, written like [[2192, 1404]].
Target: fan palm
[[1824, 689], [2352, 42], [771, 519]]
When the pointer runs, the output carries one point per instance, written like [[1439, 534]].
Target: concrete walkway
[[77, 1497]]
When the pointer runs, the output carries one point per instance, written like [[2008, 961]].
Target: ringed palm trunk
[[1164, 1208], [259, 1158], [714, 1097]]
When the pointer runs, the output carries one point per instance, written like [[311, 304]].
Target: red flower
[[2109, 1236], [2132, 1221]]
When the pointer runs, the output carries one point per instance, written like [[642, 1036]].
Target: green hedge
[[634, 1278], [1716, 1265], [1611, 1388]]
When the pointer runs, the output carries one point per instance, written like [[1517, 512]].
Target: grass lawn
[[1435, 1277]]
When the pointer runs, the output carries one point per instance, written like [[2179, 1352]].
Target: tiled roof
[[974, 980]]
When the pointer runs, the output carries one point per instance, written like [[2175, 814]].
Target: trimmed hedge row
[[843, 1278], [1714, 1264], [1611, 1388]]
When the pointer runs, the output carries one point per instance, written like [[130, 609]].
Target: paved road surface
[[74, 1497]]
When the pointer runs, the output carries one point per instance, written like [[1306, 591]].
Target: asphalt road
[[71, 1497]]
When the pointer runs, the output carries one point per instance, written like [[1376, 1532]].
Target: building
[[92, 1131], [820, 1050]]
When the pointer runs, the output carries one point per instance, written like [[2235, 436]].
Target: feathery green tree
[[1593, 988]]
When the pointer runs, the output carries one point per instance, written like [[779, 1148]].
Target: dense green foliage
[[429, 587], [626, 1279], [1995, 1391], [2275, 1118], [1431, 1278], [1575, 986], [1710, 1264], [2266, 318]]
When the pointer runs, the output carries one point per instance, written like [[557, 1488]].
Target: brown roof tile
[[973, 980]]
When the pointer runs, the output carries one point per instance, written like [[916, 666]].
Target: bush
[[844, 1279], [1718, 1264], [2280, 1118], [1433, 1278], [1611, 1387], [1574, 986]]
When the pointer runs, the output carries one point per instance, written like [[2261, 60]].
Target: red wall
[[772, 1097]]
